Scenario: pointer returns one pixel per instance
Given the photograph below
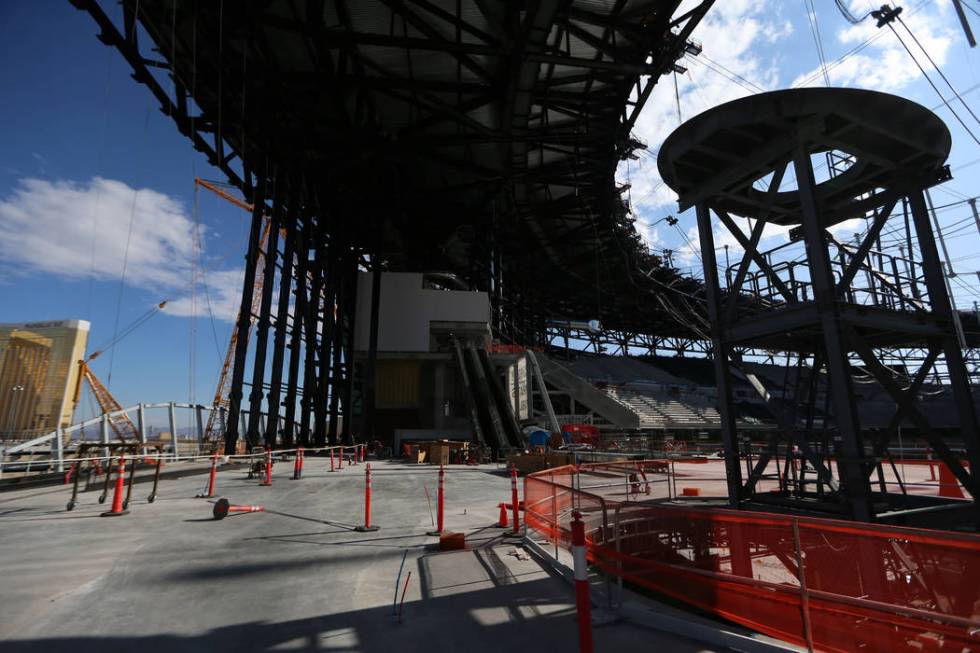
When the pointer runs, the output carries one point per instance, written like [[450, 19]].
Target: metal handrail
[[57, 436]]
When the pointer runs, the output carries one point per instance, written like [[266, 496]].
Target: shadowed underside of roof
[[470, 135]]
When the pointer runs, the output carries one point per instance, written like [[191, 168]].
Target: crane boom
[[217, 190], [120, 423]]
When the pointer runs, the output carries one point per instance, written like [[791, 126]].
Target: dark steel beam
[[244, 320], [370, 366], [940, 305], [296, 334], [282, 319], [726, 408], [350, 308], [851, 462], [331, 288]]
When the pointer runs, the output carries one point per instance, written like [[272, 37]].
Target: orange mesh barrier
[[842, 586]]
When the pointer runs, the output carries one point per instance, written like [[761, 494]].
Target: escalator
[[512, 430], [490, 412]]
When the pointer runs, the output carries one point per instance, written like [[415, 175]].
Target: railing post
[[200, 427], [141, 418], [583, 603], [605, 538], [804, 595], [554, 511], [173, 429], [59, 437], [105, 435], [619, 558], [513, 499]]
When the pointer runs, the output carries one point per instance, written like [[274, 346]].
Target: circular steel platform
[[727, 154]]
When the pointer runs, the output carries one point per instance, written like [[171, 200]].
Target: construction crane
[[221, 393], [120, 423]]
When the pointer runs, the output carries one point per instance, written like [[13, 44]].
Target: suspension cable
[[938, 69], [933, 85]]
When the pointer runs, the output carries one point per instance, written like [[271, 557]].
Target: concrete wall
[[407, 309], [517, 388]]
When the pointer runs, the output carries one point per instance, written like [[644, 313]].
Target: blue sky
[[85, 152]]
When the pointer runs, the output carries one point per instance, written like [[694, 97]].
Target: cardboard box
[[439, 453]]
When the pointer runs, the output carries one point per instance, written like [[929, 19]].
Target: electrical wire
[[733, 78], [855, 50], [98, 190], [848, 15], [747, 82], [938, 70], [933, 85], [811, 15], [125, 264]]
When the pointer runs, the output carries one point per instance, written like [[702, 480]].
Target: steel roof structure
[[477, 137]]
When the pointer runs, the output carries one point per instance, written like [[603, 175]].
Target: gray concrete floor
[[166, 577]]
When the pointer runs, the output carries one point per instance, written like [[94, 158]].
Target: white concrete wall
[[407, 309]]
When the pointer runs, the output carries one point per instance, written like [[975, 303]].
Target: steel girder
[[816, 309], [478, 109], [475, 139]]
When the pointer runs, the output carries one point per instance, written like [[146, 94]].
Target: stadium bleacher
[[680, 393]]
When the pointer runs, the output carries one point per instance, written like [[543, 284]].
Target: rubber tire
[[70, 506], [101, 499], [151, 498]]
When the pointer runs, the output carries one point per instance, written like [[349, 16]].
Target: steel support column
[[940, 305], [244, 319], [310, 320], [335, 367], [850, 455], [720, 352], [282, 324], [257, 393], [320, 396], [370, 367], [296, 334], [350, 306]]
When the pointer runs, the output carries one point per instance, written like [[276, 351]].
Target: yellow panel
[[397, 383], [40, 359]]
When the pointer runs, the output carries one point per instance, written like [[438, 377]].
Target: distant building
[[38, 374]]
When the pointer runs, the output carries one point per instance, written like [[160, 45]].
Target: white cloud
[[883, 64], [223, 290], [772, 235], [730, 33], [79, 230], [737, 37]]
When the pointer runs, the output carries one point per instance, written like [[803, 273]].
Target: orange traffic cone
[[223, 508], [502, 519], [117, 495]]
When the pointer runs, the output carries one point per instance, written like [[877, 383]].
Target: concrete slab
[[709, 478], [168, 577]]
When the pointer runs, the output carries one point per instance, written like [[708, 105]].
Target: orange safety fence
[[835, 585]]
